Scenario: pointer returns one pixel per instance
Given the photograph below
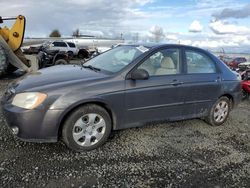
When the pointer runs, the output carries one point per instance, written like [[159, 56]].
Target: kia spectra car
[[124, 87]]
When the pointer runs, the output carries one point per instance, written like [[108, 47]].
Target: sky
[[217, 24]]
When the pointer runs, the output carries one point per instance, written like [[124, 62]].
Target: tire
[[11, 69], [245, 94], [86, 128], [83, 54], [70, 54], [61, 62], [219, 112]]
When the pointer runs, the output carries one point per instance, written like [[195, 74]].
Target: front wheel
[[219, 112], [86, 128]]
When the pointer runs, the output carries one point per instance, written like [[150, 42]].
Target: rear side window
[[60, 44], [71, 45], [199, 63], [240, 60]]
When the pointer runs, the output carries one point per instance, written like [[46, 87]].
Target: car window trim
[[127, 77], [185, 49]]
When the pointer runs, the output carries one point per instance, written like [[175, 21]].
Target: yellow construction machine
[[11, 56]]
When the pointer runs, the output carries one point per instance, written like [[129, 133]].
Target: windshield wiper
[[91, 67]]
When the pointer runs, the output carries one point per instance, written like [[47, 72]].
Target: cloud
[[101, 15], [222, 27], [172, 37], [186, 41], [135, 18], [156, 33], [211, 41], [195, 27], [242, 12], [213, 3]]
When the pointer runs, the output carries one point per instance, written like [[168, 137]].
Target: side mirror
[[139, 74]]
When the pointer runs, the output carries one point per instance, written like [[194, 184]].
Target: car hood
[[56, 75]]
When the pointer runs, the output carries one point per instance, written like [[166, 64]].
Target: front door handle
[[175, 83]]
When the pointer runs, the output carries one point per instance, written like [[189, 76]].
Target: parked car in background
[[245, 83], [32, 49], [127, 86], [236, 61], [47, 58], [226, 59], [68, 47], [244, 66]]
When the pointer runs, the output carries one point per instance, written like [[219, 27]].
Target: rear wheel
[[219, 112], [83, 54], [245, 94], [70, 54], [86, 128], [61, 62]]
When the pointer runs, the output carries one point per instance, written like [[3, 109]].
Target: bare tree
[[157, 33]]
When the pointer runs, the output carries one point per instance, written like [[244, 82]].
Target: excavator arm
[[10, 42], [14, 36]]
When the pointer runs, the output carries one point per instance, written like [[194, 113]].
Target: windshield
[[116, 59]]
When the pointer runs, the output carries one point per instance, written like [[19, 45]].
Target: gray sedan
[[127, 86]]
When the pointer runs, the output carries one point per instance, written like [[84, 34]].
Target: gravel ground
[[179, 154]]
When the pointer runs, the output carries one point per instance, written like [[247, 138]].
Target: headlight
[[29, 100]]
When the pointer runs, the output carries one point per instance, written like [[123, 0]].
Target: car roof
[[239, 58], [154, 45]]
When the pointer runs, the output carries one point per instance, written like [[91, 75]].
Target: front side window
[[199, 63], [164, 62], [116, 59]]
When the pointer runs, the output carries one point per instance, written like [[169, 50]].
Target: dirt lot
[[180, 154]]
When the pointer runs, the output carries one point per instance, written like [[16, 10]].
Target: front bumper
[[38, 125]]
